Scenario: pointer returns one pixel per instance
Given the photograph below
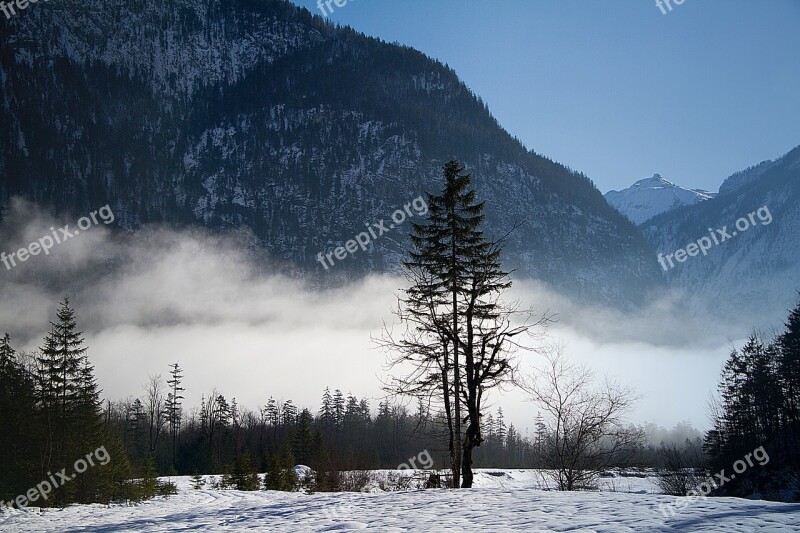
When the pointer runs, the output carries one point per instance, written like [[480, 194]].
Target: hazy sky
[[615, 88]]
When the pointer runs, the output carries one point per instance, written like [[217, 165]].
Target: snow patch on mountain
[[652, 196]]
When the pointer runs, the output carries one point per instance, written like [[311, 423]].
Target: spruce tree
[[289, 413], [174, 405], [19, 430], [89, 432], [197, 480], [459, 336], [789, 368], [8, 356], [148, 483], [243, 476], [500, 427], [754, 411], [326, 410], [272, 476], [137, 425], [303, 438], [272, 412], [442, 247], [288, 476], [66, 391], [69, 413], [338, 409], [280, 473]]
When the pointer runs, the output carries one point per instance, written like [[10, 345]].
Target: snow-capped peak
[[657, 180], [651, 196]]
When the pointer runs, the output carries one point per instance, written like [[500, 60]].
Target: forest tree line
[[759, 406], [53, 415]]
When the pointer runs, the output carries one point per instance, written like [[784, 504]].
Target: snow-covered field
[[503, 500]]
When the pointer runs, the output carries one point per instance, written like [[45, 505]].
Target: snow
[[652, 196], [503, 500]]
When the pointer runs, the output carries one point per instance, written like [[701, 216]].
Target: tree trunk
[[456, 369], [452, 443], [466, 462]]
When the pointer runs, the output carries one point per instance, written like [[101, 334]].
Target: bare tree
[[155, 410], [215, 415], [174, 398], [488, 341], [423, 352], [681, 470], [491, 331], [583, 415]]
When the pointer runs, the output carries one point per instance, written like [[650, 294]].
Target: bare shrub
[[680, 472], [585, 433], [354, 480]]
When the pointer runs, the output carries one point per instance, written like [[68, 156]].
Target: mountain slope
[[652, 196], [754, 274], [257, 114]]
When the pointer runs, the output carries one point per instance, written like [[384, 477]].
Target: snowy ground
[[506, 500]]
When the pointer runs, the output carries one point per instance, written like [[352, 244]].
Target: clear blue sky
[[615, 88]]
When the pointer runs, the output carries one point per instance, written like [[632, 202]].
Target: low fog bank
[[161, 295]]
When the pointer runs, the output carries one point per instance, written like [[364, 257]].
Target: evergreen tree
[[501, 427], [272, 475], [68, 397], [17, 399], [789, 369], [272, 412], [364, 411], [289, 413], [242, 476], [352, 416], [113, 480], [174, 405], [442, 247], [137, 424], [756, 410], [148, 483], [460, 338], [288, 475], [88, 433], [197, 480], [338, 409], [303, 439], [326, 410], [280, 473], [8, 356], [490, 426]]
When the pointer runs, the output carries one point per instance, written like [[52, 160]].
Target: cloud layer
[[223, 310]]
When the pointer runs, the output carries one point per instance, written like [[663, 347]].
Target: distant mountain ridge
[[243, 114], [754, 276], [652, 196], [747, 176]]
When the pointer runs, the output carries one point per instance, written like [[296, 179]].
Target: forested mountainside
[[256, 114], [754, 266]]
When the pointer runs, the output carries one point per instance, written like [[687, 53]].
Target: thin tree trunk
[[452, 443], [456, 370]]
